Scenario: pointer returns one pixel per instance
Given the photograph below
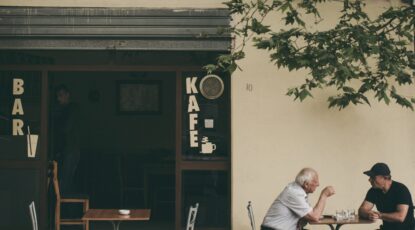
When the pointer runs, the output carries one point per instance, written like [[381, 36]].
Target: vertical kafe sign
[[193, 110], [199, 142], [17, 121]]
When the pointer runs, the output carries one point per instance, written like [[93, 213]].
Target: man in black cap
[[392, 199]]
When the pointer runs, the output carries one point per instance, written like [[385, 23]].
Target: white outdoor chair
[[32, 210], [251, 215], [191, 218]]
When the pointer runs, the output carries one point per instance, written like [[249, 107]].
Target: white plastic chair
[[251, 215], [191, 218], [32, 210]]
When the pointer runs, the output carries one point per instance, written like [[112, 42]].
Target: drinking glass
[[352, 214]]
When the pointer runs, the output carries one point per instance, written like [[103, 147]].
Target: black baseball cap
[[378, 169]]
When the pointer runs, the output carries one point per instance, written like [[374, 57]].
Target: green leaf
[[401, 100], [258, 28], [292, 91], [303, 94], [386, 99], [404, 78], [348, 89], [231, 68], [334, 56], [210, 68], [365, 99]]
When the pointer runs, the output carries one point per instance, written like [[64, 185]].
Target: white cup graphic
[[208, 148]]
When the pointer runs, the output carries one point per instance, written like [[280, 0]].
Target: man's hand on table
[[373, 215]]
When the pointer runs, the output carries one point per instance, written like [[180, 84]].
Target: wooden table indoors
[[116, 218]]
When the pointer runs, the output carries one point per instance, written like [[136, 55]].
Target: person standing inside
[[392, 199], [291, 210], [66, 138]]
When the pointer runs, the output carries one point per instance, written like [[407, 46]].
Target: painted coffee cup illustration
[[208, 148]]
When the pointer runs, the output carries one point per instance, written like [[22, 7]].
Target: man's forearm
[[319, 207], [393, 217]]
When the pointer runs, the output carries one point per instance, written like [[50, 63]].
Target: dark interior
[[127, 158]]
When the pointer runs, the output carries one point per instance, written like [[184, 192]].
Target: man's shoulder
[[374, 191], [293, 186], [399, 186], [293, 189]]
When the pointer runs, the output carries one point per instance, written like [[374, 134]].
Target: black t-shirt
[[397, 194]]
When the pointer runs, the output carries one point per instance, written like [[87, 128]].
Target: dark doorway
[[127, 140]]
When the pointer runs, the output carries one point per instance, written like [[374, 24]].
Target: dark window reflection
[[211, 190]]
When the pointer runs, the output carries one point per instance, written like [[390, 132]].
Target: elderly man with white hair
[[291, 207]]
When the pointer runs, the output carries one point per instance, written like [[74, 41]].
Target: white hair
[[305, 175]]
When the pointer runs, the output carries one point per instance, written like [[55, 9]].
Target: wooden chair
[[76, 198], [251, 215], [191, 218]]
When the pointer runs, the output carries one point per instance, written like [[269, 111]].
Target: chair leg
[[58, 216], [86, 222]]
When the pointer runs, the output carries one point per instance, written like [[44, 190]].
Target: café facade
[[158, 132]]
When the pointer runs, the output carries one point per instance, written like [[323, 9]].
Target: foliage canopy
[[338, 57]]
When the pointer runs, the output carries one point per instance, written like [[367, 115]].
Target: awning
[[62, 28]]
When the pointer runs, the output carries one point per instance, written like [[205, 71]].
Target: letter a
[[193, 106], [17, 107]]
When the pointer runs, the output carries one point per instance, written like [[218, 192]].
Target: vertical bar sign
[[17, 122]]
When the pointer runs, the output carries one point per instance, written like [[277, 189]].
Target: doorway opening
[[126, 128]]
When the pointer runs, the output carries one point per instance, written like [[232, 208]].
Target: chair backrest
[[251, 215], [191, 218], [55, 180], [32, 210]]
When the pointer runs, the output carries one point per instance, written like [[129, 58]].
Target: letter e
[[193, 139]]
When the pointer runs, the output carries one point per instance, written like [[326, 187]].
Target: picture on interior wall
[[139, 97]]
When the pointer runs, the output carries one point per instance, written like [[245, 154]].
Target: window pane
[[211, 190]]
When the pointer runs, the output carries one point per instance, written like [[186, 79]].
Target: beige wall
[[274, 137]]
